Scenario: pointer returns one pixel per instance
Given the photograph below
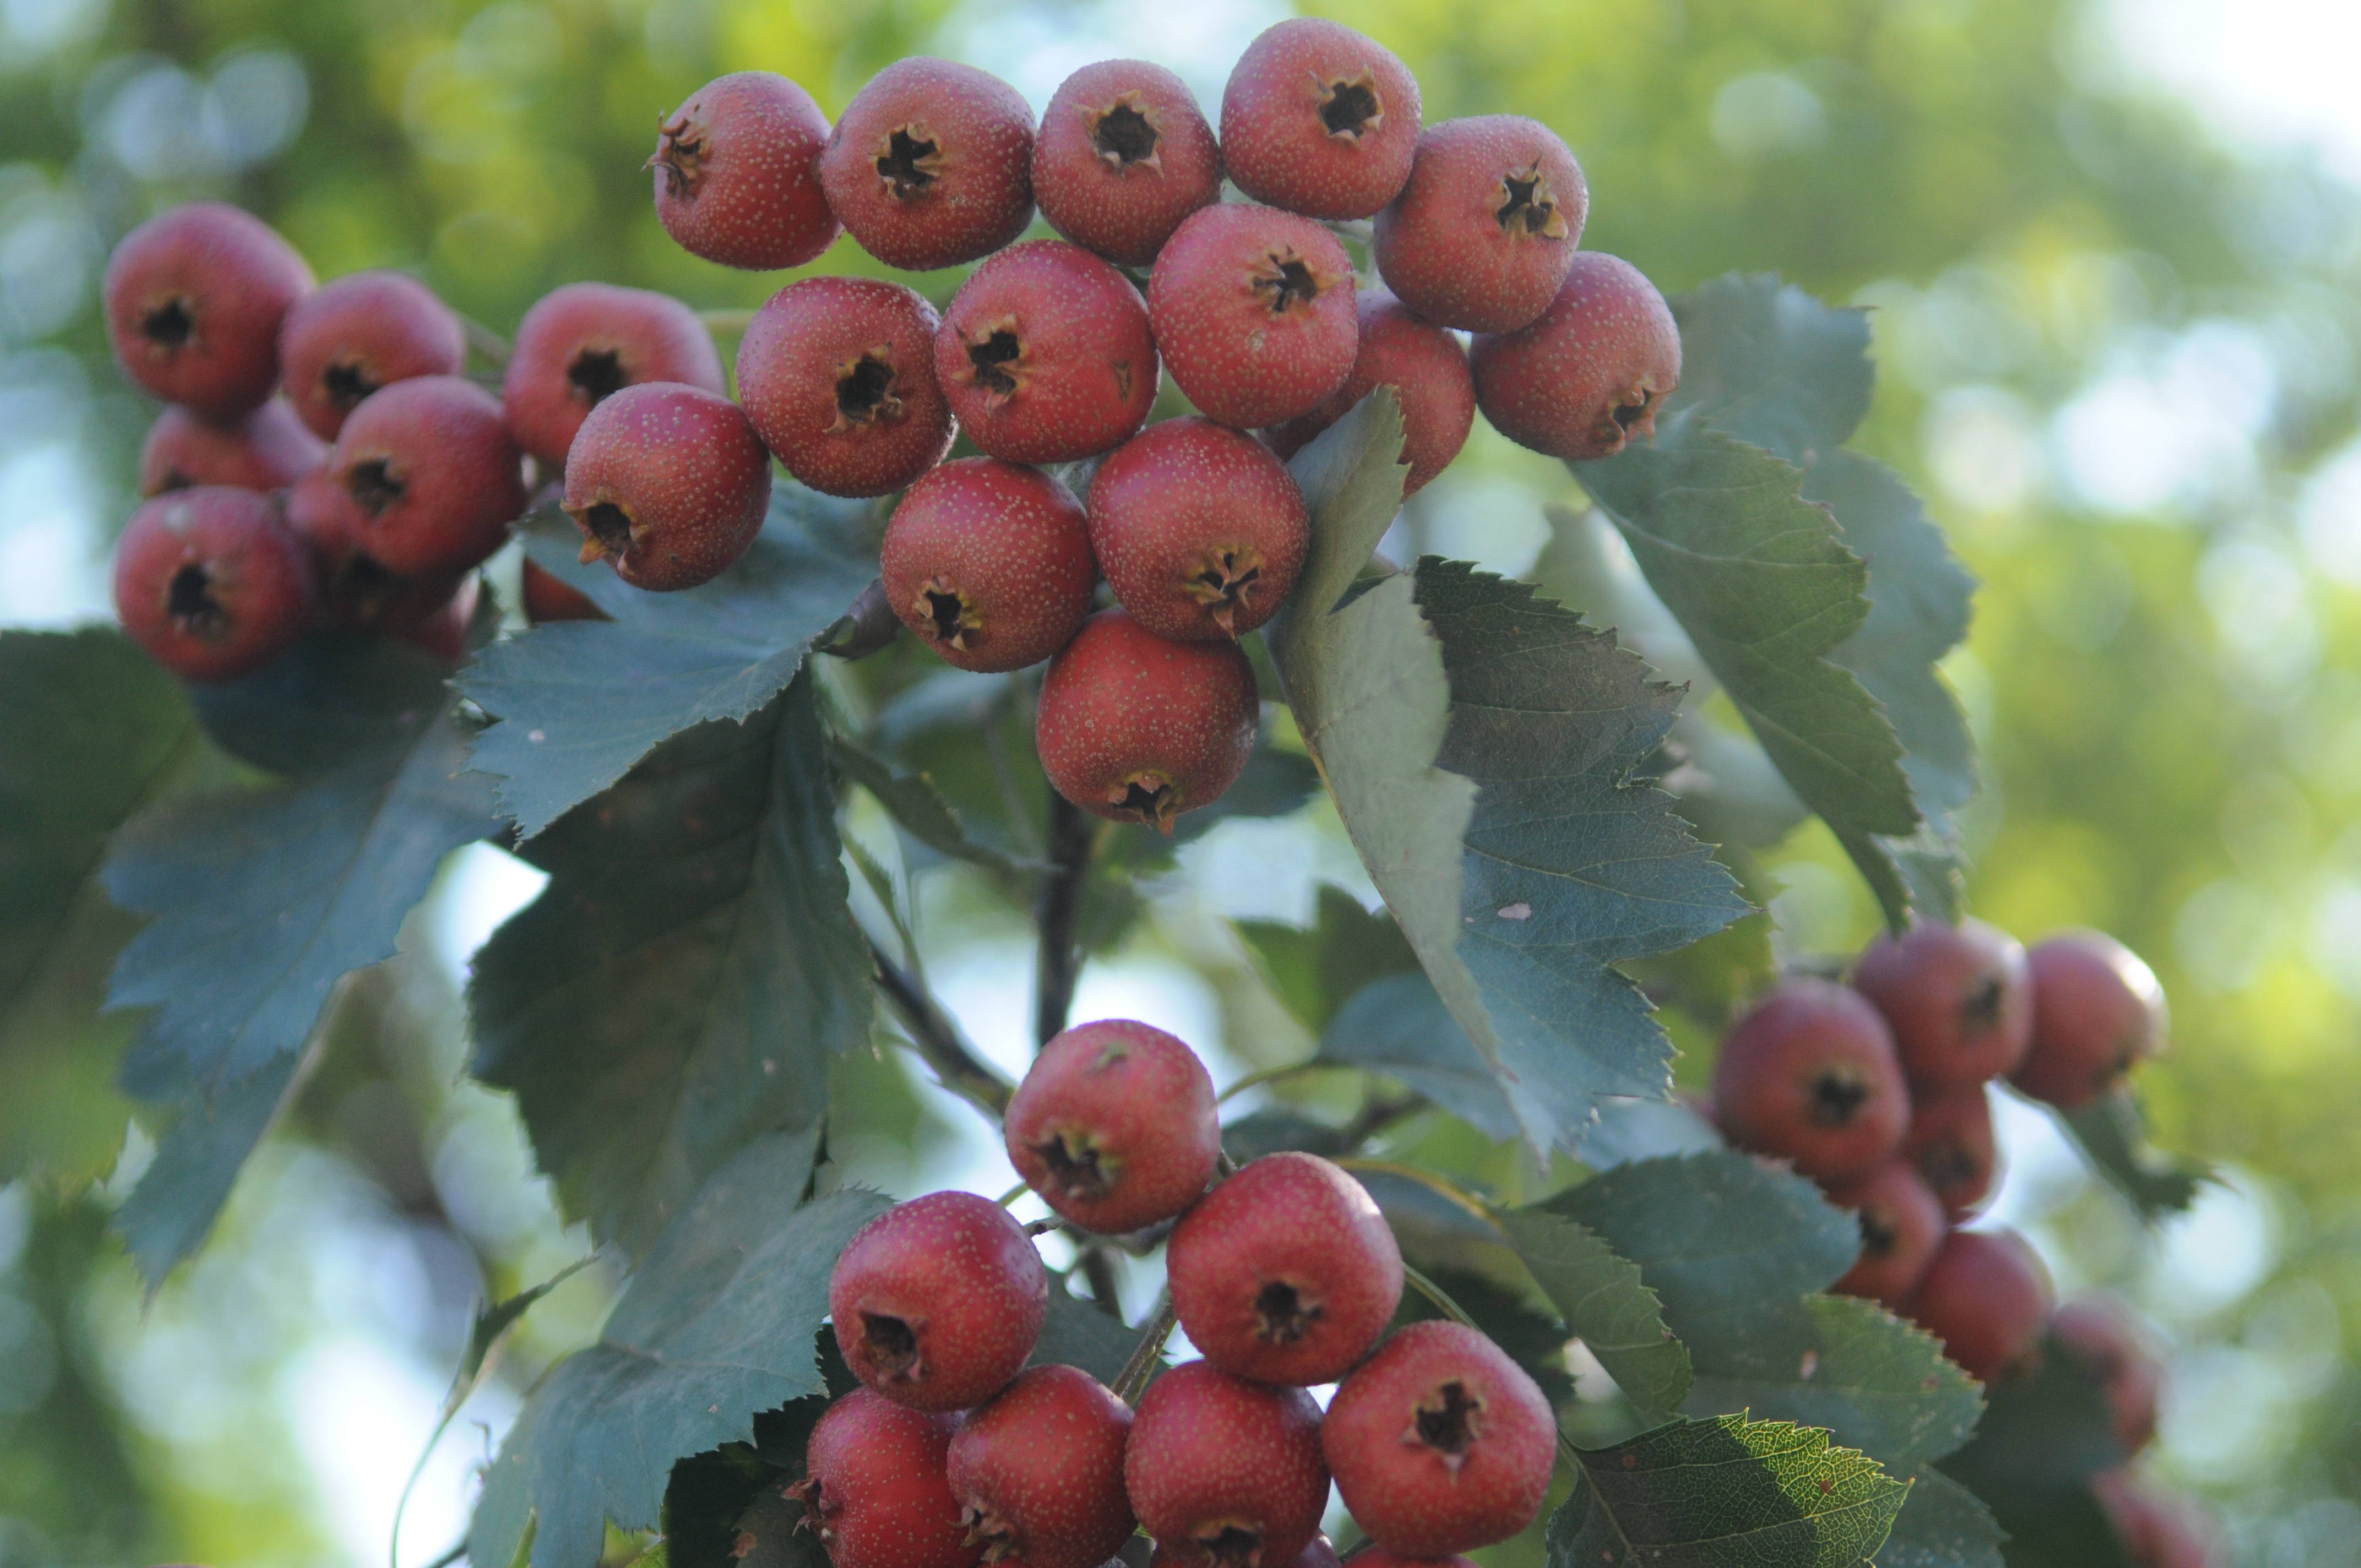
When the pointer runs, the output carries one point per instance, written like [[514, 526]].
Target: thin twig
[[726, 324], [1438, 1296], [451, 1556], [1375, 1116], [1261, 1076], [1098, 1267], [1054, 908], [937, 1037], [1133, 1379]]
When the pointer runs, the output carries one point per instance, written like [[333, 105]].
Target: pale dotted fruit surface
[[1208, 1450], [1809, 1075], [1200, 529], [431, 465], [1486, 230], [1039, 1469], [837, 375], [876, 1488], [1291, 137], [737, 173], [668, 483], [1115, 1126], [932, 164], [963, 1284], [266, 449], [193, 300], [1045, 354], [1253, 311], [359, 332], [1123, 156], [582, 341], [1428, 372], [989, 562], [1589, 374], [210, 582], [1136, 728]]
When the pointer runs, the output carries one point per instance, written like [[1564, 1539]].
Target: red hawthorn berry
[[2097, 1012], [210, 582], [1809, 1075], [1960, 999], [437, 479], [737, 173], [1320, 120], [1591, 371], [1224, 1473], [1374, 1556], [875, 1488], [837, 375], [361, 332], [1200, 531], [548, 597], [1124, 155], [1136, 728], [989, 562], [2098, 1332], [1321, 1554], [1482, 235], [1046, 355], [194, 298], [1115, 1126], [1428, 372], [932, 164], [1286, 1272], [266, 449], [1902, 1224], [443, 632], [1253, 311], [1950, 1141], [938, 1302], [668, 484], [357, 592], [584, 341], [2155, 1531], [1440, 1444], [1039, 1471], [1986, 1297]]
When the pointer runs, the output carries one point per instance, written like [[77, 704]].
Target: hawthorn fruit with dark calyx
[[1809, 1075], [1224, 1473], [1253, 311], [430, 465], [2099, 1334], [2098, 1012], [1320, 120], [584, 342], [1200, 531], [1986, 1297], [1440, 1443], [1123, 154], [1950, 1141], [932, 164], [876, 1489], [1483, 235], [837, 375], [210, 583], [357, 592], [193, 300], [1960, 999], [1115, 1126], [1428, 372], [1046, 355], [1136, 728], [668, 485], [989, 562], [1902, 1224], [359, 332], [1039, 1471], [1589, 374], [737, 173], [266, 449], [938, 1302]]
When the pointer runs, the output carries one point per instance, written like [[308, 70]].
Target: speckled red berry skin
[[548, 598], [1046, 355], [1986, 1297], [355, 591], [1200, 531], [2098, 1012], [1286, 1272], [429, 463], [1253, 310], [737, 173], [1115, 1126], [1809, 1075], [837, 375], [361, 332], [584, 341], [1320, 120], [1902, 1224], [932, 164], [1482, 235], [1951, 1143], [210, 583], [1589, 373], [1428, 372], [1321, 1554], [1211, 1453], [876, 1490], [2099, 1332], [1039, 1471], [1136, 728], [989, 562], [668, 485], [938, 1302], [193, 299], [1124, 155], [1960, 999], [266, 449]]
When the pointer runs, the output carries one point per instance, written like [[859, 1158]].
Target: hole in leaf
[[1123, 134], [596, 374], [169, 325], [990, 358]]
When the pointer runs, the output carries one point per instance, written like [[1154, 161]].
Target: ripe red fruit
[[1136, 728], [210, 583], [668, 484], [1809, 1075], [1124, 155], [1960, 999], [938, 1302], [837, 375], [584, 342], [1115, 1126], [1428, 372], [1200, 531], [1224, 1473], [737, 173], [1321, 1554], [1482, 235], [1379, 1557], [2098, 1332], [2156, 1531], [989, 562], [2097, 1012], [1253, 309], [548, 597], [356, 593], [1039, 1471], [1320, 120], [1286, 1272], [1986, 1297], [1046, 355], [194, 298], [1902, 1224], [1589, 372], [429, 463], [931, 165], [1441, 1444], [443, 632], [361, 332], [875, 1488], [266, 449], [1950, 1141]]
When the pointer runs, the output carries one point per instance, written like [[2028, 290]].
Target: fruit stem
[[1054, 908], [490, 344], [1440, 1297], [1255, 1080], [937, 1036], [1098, 1267], [1132, 1381], [1014, 1193]]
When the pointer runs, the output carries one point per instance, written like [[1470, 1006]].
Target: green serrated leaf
[[1314, 973], [1605, 1305], [1943, 1525], [1398, 1027], [1534, 1339], [680, 986], [2112, 1134], [1774, 366], [197, 1160], [727, 1507], [912, 800]]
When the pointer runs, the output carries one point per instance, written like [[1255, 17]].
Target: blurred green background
[[2112, 250]]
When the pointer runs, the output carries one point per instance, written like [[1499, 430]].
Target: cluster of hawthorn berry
[[1052, 352], [1876, 1090], [1283, 1274]]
